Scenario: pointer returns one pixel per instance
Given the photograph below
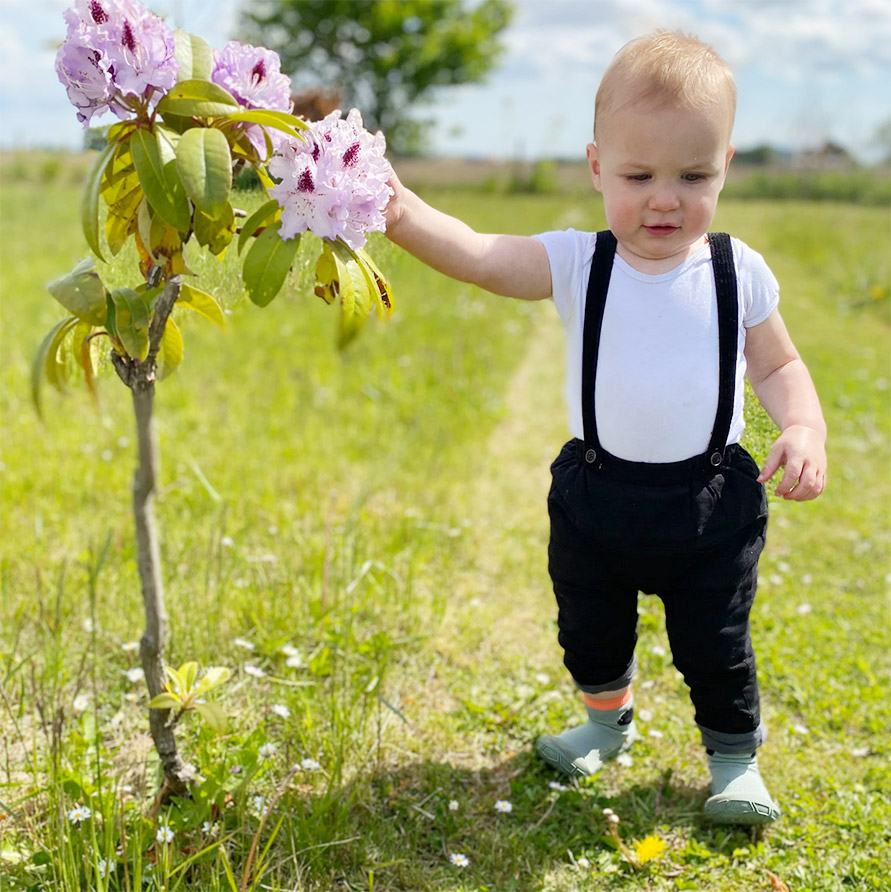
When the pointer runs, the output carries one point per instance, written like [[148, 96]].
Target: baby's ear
[[731, 151], [594, 164]]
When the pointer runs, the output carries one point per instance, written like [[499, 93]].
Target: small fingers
[[790, 479], [811, 483], [771, 464]]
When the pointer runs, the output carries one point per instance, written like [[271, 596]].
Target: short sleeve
[[759, 289], [569, 254]]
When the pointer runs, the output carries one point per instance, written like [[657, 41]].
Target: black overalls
[[689, 531]]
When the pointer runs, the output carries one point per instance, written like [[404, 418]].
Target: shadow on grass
[[404, 826]]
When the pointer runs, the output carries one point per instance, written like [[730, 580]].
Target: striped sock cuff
[[604, 705]]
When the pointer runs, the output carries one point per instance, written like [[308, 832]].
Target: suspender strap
[[595, 301], [728, 335]]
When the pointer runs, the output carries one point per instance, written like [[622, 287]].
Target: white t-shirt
[[656, 391]]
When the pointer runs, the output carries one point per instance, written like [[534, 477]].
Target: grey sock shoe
[[581, 751], [738, 792]]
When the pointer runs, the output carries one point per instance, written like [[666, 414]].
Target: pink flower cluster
[[116, 55], [253, 76], [334, 183]]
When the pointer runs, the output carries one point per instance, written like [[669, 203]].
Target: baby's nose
[[663, 199]]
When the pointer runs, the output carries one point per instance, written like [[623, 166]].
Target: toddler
[[653, 493]]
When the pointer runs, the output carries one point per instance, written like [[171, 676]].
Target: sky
[[806, 71]]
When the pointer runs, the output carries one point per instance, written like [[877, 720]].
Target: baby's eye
[[638, 177], [693, 177]]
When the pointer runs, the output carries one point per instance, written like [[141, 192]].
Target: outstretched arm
[[509, 265], [784, 387]]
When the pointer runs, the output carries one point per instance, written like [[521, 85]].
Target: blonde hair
[[665, 65]]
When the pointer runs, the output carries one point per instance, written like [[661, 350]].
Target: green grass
[[382, 511]]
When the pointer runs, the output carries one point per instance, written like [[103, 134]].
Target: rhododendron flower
[[116, 55], [334, 182], [252, 74]]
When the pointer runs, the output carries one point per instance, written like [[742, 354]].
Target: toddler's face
[[660, 170]]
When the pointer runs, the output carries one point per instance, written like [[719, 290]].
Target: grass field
[[380, 515]]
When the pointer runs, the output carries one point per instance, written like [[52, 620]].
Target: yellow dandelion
[[649, 848]]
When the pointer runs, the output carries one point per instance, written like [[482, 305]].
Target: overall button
[[590, 456], [716, 459]]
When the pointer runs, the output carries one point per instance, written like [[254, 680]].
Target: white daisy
[[582, 862], [79, 814], [280, 710], [80, 703], [645, 715], [104, 866], [130, 646], [503, 806], [624, 760], [267, 751], [243, 642], [556, 785], [254, 671], [227, 541], [459, 860], [135, 674], [164, 834], [309, 765], [294, 662], [453, 805]]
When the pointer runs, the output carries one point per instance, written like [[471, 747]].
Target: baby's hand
[[394, 209], [803, 453]]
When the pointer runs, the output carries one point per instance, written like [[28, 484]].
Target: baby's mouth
[[662, 229]]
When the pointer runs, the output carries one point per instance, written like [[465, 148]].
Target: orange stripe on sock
[[615, 703]]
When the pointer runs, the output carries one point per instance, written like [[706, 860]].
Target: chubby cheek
[[621, 213]]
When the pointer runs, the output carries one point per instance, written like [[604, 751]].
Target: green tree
[[383, 56]]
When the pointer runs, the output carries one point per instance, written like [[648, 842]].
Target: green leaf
[[165, 194], [131, 321], [267, 118], [89, 207], [122, 218], [195, 57], [165, 701], [175, 679], [327, 277], [205, 168], [383, 293], [81, 292], [260, 217], [378, 286], [170, 354], [213, 677], [216, 233], [46, 360], [266, 265], [339, 275], [213, 714], [201, 303], [356, 301], [188, 672], [198, 98]]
